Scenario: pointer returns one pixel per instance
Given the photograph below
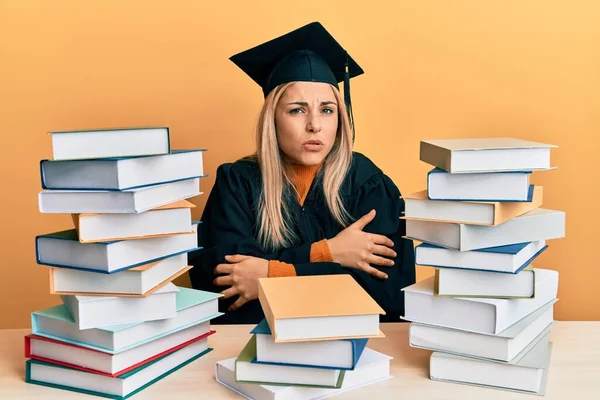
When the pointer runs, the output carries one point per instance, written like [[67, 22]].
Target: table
[[574, 369]]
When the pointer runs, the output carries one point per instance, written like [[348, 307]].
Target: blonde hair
[[274, 231]]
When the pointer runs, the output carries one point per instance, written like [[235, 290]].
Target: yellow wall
[[434, 69]]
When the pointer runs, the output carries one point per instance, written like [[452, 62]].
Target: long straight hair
[[273, 216]]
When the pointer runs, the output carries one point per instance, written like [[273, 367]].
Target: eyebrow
[[305, 104]]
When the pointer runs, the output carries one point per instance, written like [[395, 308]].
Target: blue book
[[122, 173], [341, 354], [194, 307], [63, 249], [509, 259]]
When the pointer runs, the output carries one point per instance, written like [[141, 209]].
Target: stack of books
[[122, 324], [312, 342], [487, 312]]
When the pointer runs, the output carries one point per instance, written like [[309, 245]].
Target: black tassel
[[347, 99]]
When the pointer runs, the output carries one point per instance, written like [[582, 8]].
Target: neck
[[302, 177]]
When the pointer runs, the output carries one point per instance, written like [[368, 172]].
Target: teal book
[[193, 307], [121, 387]]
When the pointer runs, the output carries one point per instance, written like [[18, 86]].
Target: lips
[[314, 142]]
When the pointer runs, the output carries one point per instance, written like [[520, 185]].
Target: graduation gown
[[229, 227]]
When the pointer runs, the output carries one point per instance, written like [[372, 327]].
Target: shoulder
[[364, 174], [243, 172]]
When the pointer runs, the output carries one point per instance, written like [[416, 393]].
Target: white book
[[110, 201], [139, 281], [507, 259], [248, 371], [528, 375], [480, 315], [42, 373], [98, 311], [372, 367], [486, 155], [504, 346], [121, 173], [62, 249], [170, 219], [74, 145], [193, 307], [44, 349], [538, 224], [492, 186], [465, 283]]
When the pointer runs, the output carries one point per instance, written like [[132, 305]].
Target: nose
[[313, 125]]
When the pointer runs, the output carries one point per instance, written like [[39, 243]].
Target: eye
[[328, 110], [296, 111]]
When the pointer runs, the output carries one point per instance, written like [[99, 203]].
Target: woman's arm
[[381, 194]]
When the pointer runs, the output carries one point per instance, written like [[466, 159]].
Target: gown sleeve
[[381, 194], [227, 226]]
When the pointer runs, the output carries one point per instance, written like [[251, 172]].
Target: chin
[[312, 159]]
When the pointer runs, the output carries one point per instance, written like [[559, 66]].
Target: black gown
[[229, 226]]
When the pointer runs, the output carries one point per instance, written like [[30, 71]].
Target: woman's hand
[[354, 248], [241, 273]]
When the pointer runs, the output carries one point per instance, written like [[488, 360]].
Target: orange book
[[320, 307], [487, 213]]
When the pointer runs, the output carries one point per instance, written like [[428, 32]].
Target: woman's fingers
[[381, 240], [226, 280], [227, 293], [384, 262], [372, 271], [383, 251]]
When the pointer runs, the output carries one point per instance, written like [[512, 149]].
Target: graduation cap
[[308, 54]]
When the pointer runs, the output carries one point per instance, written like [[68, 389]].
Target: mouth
[[313, 145]]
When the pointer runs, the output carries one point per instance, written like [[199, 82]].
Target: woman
[[305, 203]]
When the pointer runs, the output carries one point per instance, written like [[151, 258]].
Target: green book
[[121, 387], [248, 371]]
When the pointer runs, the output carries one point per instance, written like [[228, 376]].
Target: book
[[465, 283], [342, 309], [96, 311], [504, 346], [527, 375], [419, 207], [194, 307], [336, 354], [373, 367], [480, 315], [63, 249], [123, 173], [109, 202], [265, 374], [167, 220], [121, 387], [98, 362], [538, 224], [504, 259], [486, 186], [140, 281], [99, 143], [486, 155]]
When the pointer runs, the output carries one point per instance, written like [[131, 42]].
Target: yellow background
[[434, 69]]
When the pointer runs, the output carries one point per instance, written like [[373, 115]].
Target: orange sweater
[[302, 177]]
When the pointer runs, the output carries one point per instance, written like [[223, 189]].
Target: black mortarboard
[[308, 54]]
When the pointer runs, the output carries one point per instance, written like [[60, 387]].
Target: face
[[306, 121]]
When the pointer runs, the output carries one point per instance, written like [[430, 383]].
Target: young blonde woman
[[304, 203]]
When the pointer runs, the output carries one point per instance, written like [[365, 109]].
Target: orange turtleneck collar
[[302, 177]]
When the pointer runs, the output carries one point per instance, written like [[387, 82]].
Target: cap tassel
[[347, 99]]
